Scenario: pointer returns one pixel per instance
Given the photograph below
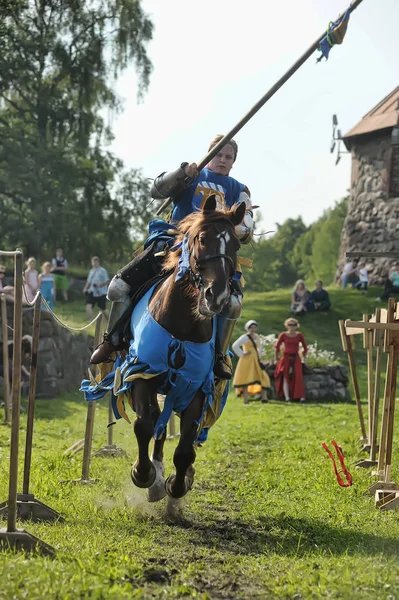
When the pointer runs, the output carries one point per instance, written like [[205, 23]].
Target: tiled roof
[[382, 116]]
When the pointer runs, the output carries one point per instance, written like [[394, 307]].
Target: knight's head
[[222, 163], [211, 248]]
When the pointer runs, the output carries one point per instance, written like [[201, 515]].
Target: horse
[[177, 319]]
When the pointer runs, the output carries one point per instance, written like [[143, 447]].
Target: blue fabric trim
[[157, 229]]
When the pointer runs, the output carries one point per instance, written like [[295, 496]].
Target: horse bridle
[[195, 275]]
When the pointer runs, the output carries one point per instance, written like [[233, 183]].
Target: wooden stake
[[378, 340], [348, 348], [6, 365]]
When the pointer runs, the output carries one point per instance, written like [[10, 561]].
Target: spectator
[[95, 288], [288, 374], [31, 279], [391, 284], [299, 298], [319, 299], [59, 269], [363, 282], [250, 370], [349, 274], [47, 285]]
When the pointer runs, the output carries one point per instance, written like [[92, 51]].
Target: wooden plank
[[342, 332], [349, 325], [357, 254]]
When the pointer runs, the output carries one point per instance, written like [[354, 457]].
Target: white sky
[[213, 59]]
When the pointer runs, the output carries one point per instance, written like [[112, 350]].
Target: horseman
[[189, 189]]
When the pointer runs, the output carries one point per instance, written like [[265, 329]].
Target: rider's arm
[[245, 230], [173, 182]]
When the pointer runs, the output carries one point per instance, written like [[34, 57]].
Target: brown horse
[[185, 308]]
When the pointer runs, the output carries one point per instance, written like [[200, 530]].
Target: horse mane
[[192, 225]]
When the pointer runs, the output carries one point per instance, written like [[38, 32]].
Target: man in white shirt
[[95, 288]]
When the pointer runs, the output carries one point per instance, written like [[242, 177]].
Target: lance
[[269, 94]]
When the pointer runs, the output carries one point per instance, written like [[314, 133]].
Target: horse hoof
[[138, 479], [157, 491], [168, 487]]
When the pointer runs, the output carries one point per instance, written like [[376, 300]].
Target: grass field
[[266, 518]]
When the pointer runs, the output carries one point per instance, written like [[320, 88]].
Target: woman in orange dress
[[288, 374]]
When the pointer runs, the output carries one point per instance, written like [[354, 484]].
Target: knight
[[189, 190]]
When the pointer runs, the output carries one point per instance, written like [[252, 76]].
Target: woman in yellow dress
[[249, 376]]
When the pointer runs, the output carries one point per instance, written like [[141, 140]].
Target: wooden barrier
[[11, 536], [29, 507]]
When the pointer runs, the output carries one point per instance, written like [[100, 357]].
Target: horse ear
[[210, 203], [238, 213]]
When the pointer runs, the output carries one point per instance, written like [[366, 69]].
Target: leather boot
[[221, 369], [102, 352]]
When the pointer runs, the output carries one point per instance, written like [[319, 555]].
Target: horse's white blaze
[[224, 239]]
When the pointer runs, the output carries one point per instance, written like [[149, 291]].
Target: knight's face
[[223, 161]]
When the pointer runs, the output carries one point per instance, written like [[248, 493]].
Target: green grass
[[265, 519]]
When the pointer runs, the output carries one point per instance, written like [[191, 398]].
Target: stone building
[[372, 222]]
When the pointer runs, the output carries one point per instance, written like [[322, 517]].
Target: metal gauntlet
[[245, 230], [170, 183]]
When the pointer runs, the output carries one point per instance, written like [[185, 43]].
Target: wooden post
[[378, 342], [32, 393], [368, 345], [348, 348], [91, 407], [6, 366], [391, 420]]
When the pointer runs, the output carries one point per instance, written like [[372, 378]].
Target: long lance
[[212, 153]]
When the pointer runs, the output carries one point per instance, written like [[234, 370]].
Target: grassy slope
[[266, 517]]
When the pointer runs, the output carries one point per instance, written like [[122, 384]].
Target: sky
[[214, 59]]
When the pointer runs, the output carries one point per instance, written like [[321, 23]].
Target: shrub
[[316, 357]]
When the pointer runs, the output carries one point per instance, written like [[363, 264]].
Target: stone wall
[[372, 223], [321, 384], [63, 357]]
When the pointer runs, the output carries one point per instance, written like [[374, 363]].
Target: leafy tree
[[58, 62], [296, 251]]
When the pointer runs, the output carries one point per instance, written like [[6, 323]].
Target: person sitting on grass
[[319, 299], [299, 298], [391, 285]]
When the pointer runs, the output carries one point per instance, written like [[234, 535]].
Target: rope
[[64, 325]]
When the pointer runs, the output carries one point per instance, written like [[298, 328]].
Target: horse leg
[[157, 491], [143, 471], [179, 484]]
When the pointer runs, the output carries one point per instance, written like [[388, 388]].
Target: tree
[[58, 62]]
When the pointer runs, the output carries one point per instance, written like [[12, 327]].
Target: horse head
[[210, 253]]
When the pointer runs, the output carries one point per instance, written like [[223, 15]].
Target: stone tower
[[372, 222]]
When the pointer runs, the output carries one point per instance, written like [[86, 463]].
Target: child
[[31, 279], [47, 285], [363, 282]]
